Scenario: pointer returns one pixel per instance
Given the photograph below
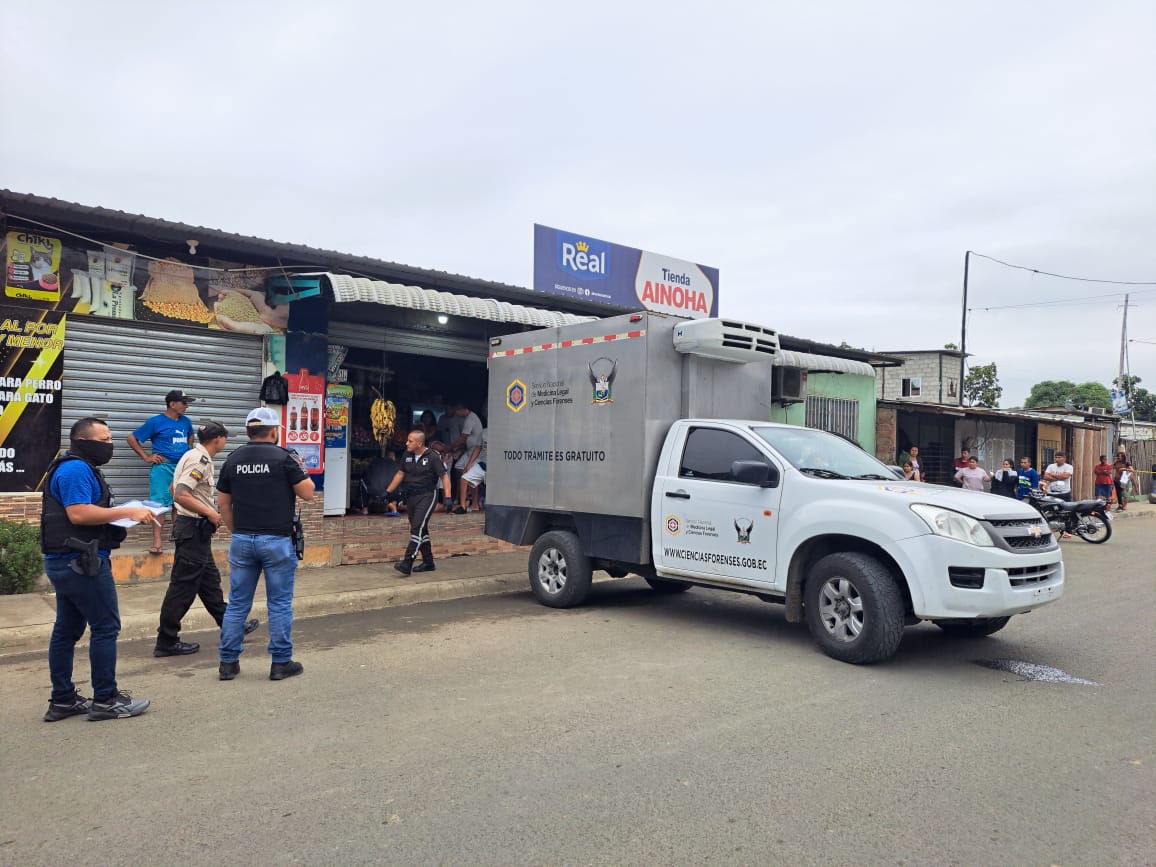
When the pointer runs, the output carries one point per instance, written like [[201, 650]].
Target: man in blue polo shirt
[[171, 435], [77, 537]]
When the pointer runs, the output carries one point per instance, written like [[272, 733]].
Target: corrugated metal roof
[[346, 288], [822, 363], [980, 412], [57, 211]]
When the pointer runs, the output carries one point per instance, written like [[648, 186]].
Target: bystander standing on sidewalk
[[1122, 475], [1058, 475], [171, 435], [1027, 480], [972, 476], [1102, 473]]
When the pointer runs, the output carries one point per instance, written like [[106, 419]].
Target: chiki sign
[[585, 268]]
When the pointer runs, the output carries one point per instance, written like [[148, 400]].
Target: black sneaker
[[58, 710], [228, 670], [250, 625], [404, 566], [177, 648], [425, 566], [121, 705], [282, 670]]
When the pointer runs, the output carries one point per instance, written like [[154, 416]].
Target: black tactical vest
[[56, 529]]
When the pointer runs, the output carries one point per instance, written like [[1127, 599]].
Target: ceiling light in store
[[442, 319]]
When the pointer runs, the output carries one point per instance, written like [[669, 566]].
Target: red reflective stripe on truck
[[566, 344]]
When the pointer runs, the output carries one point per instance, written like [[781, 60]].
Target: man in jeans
[[256, 496], [77, 540]]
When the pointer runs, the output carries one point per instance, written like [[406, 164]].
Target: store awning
[[346, 288], [822, 363]]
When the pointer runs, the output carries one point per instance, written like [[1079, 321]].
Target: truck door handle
[[678, 495]]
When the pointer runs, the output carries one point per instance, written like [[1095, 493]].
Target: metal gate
[[121, 372], [413, 342]]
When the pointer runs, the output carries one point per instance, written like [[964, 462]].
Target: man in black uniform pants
[[194, 572], [257, 492], [420, 470]]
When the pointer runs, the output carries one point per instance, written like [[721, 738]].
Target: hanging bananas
[[382, 414]]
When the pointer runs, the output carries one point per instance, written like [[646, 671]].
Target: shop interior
[[414, 384]]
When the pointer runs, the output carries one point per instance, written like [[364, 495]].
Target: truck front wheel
[[560, 574], [854, 608]]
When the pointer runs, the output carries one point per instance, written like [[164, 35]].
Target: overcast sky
[[833, 159]]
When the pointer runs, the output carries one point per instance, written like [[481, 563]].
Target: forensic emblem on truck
[[602, 379], [516, 395], [743, 527]]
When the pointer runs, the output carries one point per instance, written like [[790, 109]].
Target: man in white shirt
[[468, 441], [1058, 475], [473, 475]]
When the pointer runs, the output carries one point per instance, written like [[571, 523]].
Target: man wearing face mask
[[77, 540]]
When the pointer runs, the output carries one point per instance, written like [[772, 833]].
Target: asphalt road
[[640, 729]]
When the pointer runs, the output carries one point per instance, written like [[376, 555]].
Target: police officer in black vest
[[256, 495], [419, 474], [77, 540]]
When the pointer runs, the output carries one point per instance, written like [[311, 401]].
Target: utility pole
[[1123, 340], [963, 329]]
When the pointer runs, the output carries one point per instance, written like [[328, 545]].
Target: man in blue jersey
[[171, 435], [1029, 479]]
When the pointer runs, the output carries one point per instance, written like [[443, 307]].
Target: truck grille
[[1026, 575], [1041, 541], [1021, 535]]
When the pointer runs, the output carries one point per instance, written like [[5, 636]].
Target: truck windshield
[[819, 453]]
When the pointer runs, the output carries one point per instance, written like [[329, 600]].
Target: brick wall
[[20, 507], [886, 425], [927, 366]]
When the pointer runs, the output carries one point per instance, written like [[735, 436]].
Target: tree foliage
[[981, 386], [1061, 392]]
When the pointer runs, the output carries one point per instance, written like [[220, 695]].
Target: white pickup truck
[[596, 461]]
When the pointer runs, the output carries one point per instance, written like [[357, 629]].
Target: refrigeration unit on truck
[[632, 445]]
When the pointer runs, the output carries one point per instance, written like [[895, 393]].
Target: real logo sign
[[583, 257]]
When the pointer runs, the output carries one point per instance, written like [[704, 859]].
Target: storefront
[[418, 349]]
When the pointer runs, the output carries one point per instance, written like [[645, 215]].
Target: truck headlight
[[953, 525]]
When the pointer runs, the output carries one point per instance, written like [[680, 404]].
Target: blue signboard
[[578, 266]]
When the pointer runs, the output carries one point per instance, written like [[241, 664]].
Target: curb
[[34, 638]]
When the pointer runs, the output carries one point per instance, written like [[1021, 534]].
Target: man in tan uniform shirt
[[194, 572]]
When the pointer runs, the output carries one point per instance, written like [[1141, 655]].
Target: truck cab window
[[709, 453]]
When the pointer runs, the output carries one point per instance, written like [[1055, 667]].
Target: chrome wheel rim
[[552, 570], [841, 609]]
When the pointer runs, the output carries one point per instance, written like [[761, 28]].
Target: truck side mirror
[[755, 473]]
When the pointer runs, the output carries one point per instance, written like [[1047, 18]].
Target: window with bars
[[835, 414]]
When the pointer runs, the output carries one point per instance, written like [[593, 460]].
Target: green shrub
[[20, 560]]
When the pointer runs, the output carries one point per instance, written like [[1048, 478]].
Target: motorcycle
[[1088, 519]]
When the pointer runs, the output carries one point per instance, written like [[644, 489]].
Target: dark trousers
[[420, 506], [83, 601], [1121, 495], [194, 574]]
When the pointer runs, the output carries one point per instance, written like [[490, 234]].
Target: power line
[[1065, 276], [1087, 299]]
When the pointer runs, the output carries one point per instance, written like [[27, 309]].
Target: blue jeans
[[81, 602], [248, 554]]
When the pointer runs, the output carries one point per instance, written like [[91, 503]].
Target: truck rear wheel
[[560, 574], [977, 628], [854, 608]]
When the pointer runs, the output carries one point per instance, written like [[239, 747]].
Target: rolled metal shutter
[[121, 372], [413, 342]]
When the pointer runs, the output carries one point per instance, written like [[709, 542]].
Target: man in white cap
[[256, 495]]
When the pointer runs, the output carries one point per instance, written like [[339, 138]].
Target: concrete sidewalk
[[26, 620]]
